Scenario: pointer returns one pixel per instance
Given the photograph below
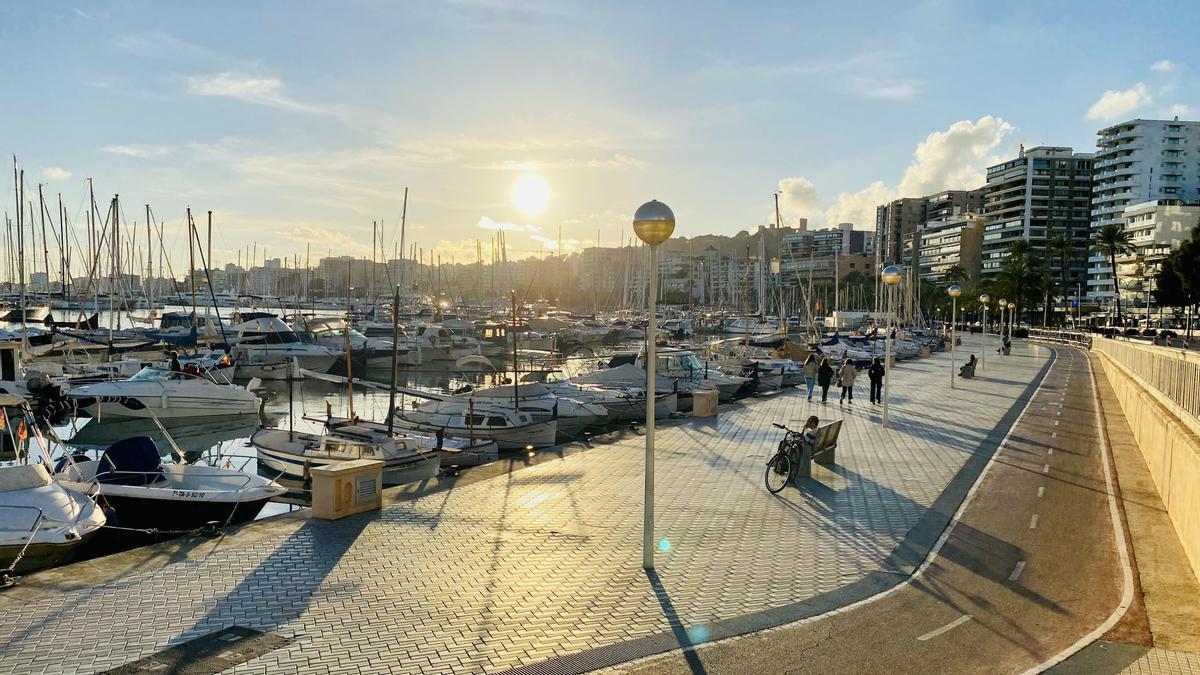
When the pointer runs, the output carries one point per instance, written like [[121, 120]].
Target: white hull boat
[[165, 395], [42, 523]]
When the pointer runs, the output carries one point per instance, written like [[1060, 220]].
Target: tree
[[1022, 279], [1062, 248], [1111, 241], [956, 274]]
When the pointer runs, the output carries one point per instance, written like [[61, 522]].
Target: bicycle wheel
[[779, 469]]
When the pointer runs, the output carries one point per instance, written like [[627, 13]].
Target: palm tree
[[955, 274], [1062, 248], [1111, 241]]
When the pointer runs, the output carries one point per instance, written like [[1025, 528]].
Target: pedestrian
[[847, 375], [810, 373], [875, 375], [824, 379], [175, 366]]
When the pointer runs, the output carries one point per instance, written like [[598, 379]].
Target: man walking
[[875, 375]]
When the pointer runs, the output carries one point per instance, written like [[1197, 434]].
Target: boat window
[[496, 422], [155, 374], [474, 420]]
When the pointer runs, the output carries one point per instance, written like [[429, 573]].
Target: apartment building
[[1137, 162], [1043, 192], [953, 240], [1156, 228]]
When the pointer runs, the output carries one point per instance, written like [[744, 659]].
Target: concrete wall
[[1165, 431]]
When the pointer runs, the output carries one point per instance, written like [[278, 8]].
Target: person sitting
[[967, 370], [808, 434], [191, 369]]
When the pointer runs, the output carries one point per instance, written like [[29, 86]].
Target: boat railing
[[37, 525]]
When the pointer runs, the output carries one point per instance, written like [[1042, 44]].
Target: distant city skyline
[[299, 124]]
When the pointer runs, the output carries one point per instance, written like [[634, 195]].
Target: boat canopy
[[132, 461]]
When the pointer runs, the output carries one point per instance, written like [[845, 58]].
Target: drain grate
[[207, 654]]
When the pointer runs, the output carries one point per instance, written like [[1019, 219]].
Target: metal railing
[[1066, 337], [1173, 373]]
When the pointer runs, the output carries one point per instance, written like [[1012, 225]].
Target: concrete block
[[704, 403], [346, 488]]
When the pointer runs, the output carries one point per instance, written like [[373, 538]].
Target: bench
[[823, 451]]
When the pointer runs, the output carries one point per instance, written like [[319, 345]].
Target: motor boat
[[42, 523], [144, 493], [265, 340], [441, 344], [163, 394], [669, 397], [623, 402], [372, 353], [683, 365], [545, 405], [407, 458], [465, 417], [457, 452]]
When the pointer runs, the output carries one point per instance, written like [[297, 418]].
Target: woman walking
[[824, 379], [847, 375], [810, 373], [875, 374]]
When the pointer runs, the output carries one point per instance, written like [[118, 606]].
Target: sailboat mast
[[191, 262], [403, 222], [514, 341], [395, 358]]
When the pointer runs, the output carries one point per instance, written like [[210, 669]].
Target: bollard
[[346, 488]]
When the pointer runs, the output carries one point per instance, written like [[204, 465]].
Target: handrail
[[1067, 337]]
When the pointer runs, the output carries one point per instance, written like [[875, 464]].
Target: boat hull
[[40, 556]]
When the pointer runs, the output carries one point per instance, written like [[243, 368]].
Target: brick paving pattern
[[1165, 662], [546, 561]]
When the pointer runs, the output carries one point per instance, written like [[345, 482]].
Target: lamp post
[[1003, 306], [954, 291], [891, 276], [984, 299], [653, 222]]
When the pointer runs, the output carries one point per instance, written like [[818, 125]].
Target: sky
[[299, 123]]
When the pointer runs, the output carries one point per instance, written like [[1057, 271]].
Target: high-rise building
[[1155, 228], [1044, 192], [897, 222], [956, 239], [1140, 161]]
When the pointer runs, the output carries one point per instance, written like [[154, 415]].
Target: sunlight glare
[[531, 194]]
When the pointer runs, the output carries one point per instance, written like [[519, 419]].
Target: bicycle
[[783, 464]]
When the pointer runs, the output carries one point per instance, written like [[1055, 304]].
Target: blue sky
[[300, 123]]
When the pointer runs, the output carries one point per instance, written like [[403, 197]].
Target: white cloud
[[1179, 110], [1116, 104], [616, 161], [489, 224], [55, 173], [139, 151], [1163, 66], [871, 75], [257, 89], [954, 159], [798, 198]]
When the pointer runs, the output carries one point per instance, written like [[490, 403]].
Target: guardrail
[[1066, 337], [1174, 373]]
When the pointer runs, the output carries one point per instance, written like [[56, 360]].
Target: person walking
[[824, 379], [875, 375], [810, 373], [847, 375]]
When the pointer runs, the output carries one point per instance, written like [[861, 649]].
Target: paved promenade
[[544, 563]]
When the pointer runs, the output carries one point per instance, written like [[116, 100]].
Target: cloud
[[954, 159], [870, 75], [139, 151], [1179, 110], [798, 198], [257, 89], [1116, 104], [161, 45], [616, 161], [55, 173], [1163, 66], [489, 224]]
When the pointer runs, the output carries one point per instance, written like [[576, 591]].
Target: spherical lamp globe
[[653, 222]]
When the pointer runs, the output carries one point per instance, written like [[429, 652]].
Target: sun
[[531, 194]]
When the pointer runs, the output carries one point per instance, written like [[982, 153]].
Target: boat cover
[[132, 461]]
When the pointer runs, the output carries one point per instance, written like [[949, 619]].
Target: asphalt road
[[1030, 568]]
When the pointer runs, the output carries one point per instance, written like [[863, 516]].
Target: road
[[1030, 567]]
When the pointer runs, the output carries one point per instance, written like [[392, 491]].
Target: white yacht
[[684, 366], [42, 523], [467, 418], [545, 405], [372, 352], [162, 394], [441, 344], [265, 340]]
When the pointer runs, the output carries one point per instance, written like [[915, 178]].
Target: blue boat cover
[[132, 461]]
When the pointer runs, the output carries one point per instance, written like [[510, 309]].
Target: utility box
[[346, 488], [704, 402]]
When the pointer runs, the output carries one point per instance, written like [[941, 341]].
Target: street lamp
[[984, 299], [1003, 306], [653, 222], [891, 276], [954, 291]]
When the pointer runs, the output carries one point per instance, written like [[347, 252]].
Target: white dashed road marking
[[950, 626], [1016, 573]]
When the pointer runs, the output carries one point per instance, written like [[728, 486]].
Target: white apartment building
[[1139, 161], [1156, 228]]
